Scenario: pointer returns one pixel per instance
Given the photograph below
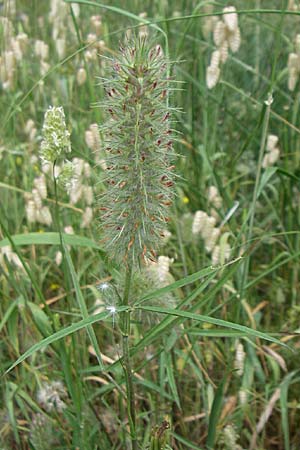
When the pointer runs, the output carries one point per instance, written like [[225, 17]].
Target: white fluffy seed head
[[87, 217], [224, 51], [271, 158], [69, 229], [44, 216], [22, 38], [86, 170], [212, 193], [29, 126], [37, 198], [230, 18], [16, 48], [41, 49], [58, 258], [60, 45], [243, 396], [292, 6], [7, 251], [163, 266], [293, 79], [234, 40], [211, 240], [209, 21], [78, 166], [75, 191], [226, 251], [16, 261], [214, 197], [231, 437], [51, 396], [166, 234], [219, 33], [215, 59], [88, 194], [212, 76], [92, 137], [239, 359], [89, 138], [215, 257], [96, 23], [294, 61], [9, 60], [272, 141], [272, 154], [297, 44], [81, 76], [41, 186], [208, 227], [30, 211], [199, 221], [11, 256], [220, 254], [46, 167]]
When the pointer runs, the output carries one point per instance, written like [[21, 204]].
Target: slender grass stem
[[256, 187], [125, 328]]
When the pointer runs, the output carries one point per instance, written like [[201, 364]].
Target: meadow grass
[[208, 357]]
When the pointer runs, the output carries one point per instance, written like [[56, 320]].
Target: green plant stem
[[256, 186], [125, 328]]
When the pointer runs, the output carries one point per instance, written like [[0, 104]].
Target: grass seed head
[[138, 145]]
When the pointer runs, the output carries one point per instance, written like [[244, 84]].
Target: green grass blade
[[50, 238], [185, 281], [7, 313], [189, 445], [178, 284], [284, 387], [212, 320], [82, 305], [61, 334], [171, 378], [215, 414]]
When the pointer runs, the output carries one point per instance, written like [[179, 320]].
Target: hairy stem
[[125, 328]]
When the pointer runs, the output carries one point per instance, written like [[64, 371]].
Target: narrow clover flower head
[[138, 146], [56, 137]]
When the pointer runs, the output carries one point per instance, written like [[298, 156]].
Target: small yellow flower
[[185, 200]]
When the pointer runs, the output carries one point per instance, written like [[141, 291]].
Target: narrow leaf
[[208, 319], [61, 334]]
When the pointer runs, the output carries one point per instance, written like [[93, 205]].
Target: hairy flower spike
[[56, 137], [138, 145]]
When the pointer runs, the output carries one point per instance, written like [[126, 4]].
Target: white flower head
[[56, 137], [103, 286], [51, 396]]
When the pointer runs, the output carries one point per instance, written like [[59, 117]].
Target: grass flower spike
[[56, 137], [138, 144]]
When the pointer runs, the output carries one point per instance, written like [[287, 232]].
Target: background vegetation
[[218, 385]]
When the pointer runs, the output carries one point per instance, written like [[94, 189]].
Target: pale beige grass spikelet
[[87, 217], [239, 359], [272, 151], [211, 239], [200, 218], [81, 76], [219, 33], [230, 18]]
